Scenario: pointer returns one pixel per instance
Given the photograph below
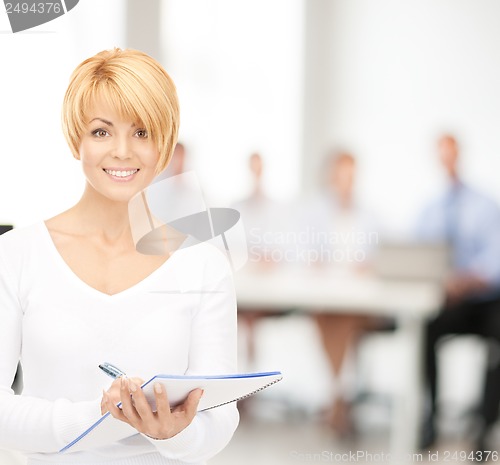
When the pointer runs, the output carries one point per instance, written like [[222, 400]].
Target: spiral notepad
[[218, 391]]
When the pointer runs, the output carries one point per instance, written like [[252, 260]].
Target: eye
[[100, 133], [142, 133]]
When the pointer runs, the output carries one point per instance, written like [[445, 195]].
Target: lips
[[121, 173]]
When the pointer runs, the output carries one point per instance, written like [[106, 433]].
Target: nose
[[121, 148]]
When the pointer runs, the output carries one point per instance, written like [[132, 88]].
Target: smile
[[121, 174]]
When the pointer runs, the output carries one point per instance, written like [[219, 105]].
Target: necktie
[[452, 220]]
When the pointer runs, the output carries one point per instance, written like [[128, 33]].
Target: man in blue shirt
[[470, 222]]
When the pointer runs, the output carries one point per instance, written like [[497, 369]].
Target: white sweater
[[181, 319]]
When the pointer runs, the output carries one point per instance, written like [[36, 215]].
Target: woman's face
[[118, 156]]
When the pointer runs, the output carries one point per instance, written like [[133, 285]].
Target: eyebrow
[[109, 123]]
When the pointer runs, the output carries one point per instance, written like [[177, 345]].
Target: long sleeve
[[30, 423], [212, 351]]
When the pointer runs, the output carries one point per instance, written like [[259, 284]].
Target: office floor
[[275, 436], [299, 442]]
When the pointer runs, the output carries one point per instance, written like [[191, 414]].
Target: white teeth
[[121, 174]]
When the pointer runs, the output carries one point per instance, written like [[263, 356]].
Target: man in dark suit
[[470, 222]]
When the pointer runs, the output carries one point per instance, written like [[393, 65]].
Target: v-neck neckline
[[64, 266]]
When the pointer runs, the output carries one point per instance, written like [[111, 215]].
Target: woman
[[74, 291], [346, 239]]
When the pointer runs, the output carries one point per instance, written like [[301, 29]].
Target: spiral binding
[[245, 396]]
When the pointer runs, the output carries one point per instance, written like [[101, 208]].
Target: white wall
[[39, 177], [238, 69]]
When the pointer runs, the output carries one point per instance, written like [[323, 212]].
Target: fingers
[[138, 381], [114, 391], [194, 399], [104, 400], [113, 409], [162, 403], [141, 404], [190, 405], [128, 407], [135, 406], [128, 412]]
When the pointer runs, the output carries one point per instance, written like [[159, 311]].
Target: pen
[[111, 370]]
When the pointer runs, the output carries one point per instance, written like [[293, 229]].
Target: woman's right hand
[[114, 392]]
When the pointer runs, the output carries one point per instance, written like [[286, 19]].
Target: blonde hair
[[132, 83]]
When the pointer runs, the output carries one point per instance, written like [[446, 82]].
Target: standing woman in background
[[74, 291]]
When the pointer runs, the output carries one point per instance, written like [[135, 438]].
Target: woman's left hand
[[162, 424]]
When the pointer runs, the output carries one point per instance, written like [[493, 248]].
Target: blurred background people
[[263, 219], [344, 235], [469, 221], [176, 193], [259, 214]]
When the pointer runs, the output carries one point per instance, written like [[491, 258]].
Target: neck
[[454, 181], [257, 190], [344, 199], [99, 215]]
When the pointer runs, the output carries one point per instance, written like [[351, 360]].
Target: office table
[[409, 302]]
